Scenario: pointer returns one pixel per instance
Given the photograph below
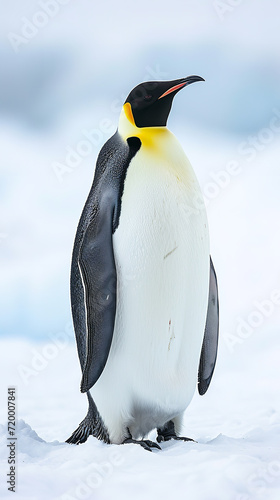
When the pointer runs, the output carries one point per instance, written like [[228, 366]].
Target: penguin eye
[[147, 97]]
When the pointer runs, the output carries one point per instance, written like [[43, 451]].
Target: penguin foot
[[145, 443], [161, 438], [168, 432], [91, 425]]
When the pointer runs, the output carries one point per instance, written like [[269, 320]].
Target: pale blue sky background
[[70, 77]]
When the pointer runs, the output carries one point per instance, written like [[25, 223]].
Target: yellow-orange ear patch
[[128, 113]]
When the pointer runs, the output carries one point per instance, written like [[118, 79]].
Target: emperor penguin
[[144, 290]]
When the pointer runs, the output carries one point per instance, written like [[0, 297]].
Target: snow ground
[[236, 426]]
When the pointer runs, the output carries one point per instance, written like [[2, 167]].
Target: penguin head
[[149, 104]]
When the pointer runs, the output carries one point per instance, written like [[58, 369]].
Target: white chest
[[162, 213], [161, 251]]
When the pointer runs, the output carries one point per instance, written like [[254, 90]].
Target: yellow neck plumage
[[148, 135]]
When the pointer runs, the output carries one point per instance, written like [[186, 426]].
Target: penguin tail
[[91, 425], [81, 434]]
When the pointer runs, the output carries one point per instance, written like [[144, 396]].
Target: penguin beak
[[177, 85]]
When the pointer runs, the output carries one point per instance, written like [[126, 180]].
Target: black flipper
[[210, 342], [91, 425], [93, 272], [97, 265]]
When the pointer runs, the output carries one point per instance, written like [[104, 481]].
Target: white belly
[[161, 250]]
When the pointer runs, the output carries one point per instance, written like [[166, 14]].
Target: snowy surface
[[236, 426]]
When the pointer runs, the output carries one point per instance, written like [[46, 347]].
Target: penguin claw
[[152, 444], [161, 438], [145, 443], [182, 438], [168, 432]]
